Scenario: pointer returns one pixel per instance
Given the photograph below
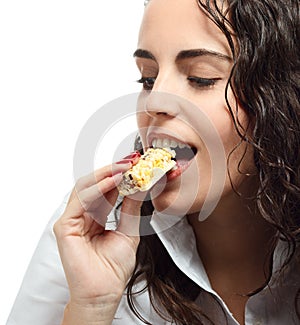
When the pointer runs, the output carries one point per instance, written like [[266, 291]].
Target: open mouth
[[184, 152]]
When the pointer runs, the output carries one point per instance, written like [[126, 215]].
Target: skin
[[233, 242], [164, 34], [97, 263]]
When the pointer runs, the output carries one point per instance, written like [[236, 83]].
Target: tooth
[[166, 143], [181, 145], [173, 144], [159, 143]]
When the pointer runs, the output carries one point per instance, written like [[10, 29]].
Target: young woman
[[235, 65]]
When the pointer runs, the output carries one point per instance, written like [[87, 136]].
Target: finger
[[94, 192], [100, 174], [118, 167], [101, 208], [133, 158], [81, 202], [130, 215], [92, 227]]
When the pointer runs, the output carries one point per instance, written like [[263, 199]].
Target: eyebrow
[[140, 53], [201, 52], [186, 54]]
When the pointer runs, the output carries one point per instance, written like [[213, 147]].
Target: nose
[[162, 100], [162, 103]]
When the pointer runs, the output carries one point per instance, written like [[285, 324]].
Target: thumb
[[130, 215]]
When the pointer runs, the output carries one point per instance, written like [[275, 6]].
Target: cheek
[[239, 154], [221, 118], [177, 197], [142, 123]]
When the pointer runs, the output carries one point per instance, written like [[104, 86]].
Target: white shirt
[[44, 291]]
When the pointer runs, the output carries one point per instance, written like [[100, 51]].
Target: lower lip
[[181, 165]]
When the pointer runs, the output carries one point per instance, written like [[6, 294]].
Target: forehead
[[175, 25]]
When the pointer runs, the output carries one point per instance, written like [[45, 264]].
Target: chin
[[176, 203], [188, 197]]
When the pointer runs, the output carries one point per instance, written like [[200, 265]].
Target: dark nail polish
[[133, 155], [124, 161]]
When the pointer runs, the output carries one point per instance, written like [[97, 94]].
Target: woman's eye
[[147, 82], [202, 82]]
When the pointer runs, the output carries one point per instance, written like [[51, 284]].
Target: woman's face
[[185, 62]]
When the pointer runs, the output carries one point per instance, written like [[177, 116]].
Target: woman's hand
[[97, 262]]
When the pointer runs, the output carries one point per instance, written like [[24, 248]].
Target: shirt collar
[[179, 240]]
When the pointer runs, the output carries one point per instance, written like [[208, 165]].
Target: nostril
[[159, 104]]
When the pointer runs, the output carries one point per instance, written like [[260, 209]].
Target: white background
[[60, 61]]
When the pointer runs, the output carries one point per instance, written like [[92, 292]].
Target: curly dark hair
[[264, 39]]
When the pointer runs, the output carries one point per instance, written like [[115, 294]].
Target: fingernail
[[124, 161], [133, 155]]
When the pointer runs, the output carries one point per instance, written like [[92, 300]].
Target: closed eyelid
[[204, 67], [201, 63], [147, 68]]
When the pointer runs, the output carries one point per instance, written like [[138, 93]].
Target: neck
[[235, 245]]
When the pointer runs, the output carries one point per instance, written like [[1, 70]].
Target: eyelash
[[145, 80], [203, 82], [198, 82]]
